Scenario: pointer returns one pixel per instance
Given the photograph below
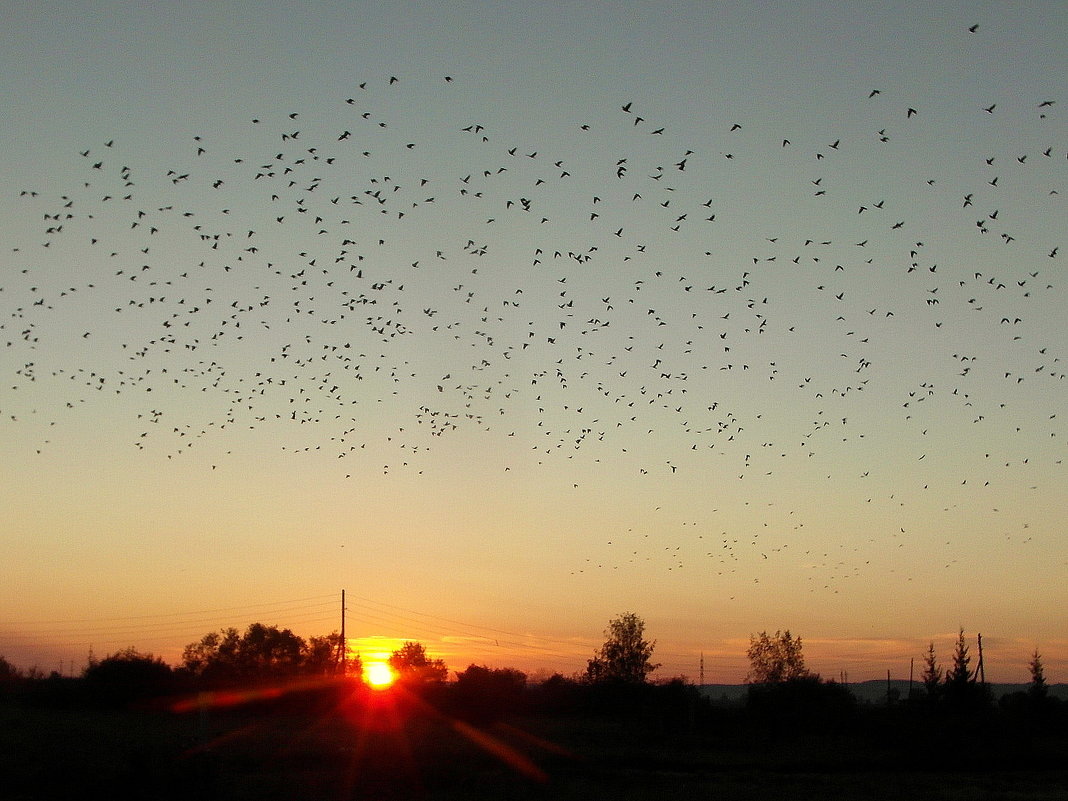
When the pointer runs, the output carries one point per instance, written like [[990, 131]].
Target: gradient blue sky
[[558, 391]]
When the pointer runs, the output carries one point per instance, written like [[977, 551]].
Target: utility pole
[[342, 646]]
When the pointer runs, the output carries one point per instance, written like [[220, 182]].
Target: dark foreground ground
[[386, 749]]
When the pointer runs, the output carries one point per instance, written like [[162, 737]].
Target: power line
[[472, 639], [392, 619], [135, 628], [179, 614], [456, 622]]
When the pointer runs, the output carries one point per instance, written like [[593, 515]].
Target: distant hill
[[875, 691], [872, 692]]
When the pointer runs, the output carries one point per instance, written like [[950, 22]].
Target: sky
[[508, 319]]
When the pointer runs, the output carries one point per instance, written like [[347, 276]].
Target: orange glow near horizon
[[374, 648]]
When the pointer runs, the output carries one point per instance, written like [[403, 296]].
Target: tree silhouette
[[961, 690], [8, 672], [411, 663], [1038, 690], [214, 656], [961, 672], [270, 651], [932, 673], [626, 655], [261, 653], [321, 657], [775, 658]]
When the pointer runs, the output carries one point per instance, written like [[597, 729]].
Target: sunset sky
[[510, 318]]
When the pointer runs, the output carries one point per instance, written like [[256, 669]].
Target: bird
[[391, 303]]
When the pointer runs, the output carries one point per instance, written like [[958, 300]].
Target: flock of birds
[[756, 305]]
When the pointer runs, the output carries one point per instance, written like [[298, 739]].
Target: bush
[[805, 704], [128, 676], [483, 693]]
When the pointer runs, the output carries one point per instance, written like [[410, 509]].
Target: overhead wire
[[473, 639]]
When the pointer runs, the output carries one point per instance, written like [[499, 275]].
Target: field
[[388, 750]]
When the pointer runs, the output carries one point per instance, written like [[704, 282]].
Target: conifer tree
[[1038, 690], [932, 673]]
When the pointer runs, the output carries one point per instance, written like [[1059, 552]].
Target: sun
[[379, 675]]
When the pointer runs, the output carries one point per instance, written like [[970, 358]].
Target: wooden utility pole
[[342, 645]]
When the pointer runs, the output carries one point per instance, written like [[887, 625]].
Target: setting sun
[[379, 675]]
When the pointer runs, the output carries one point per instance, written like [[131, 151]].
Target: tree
[[959, 677], [932, 673], [776, 658], [261, 653], [961, 690], [411, 663], [321, 657], [270, 651], [1038, 689], [8, 672], [214, 656], [961, 672], [626, 655]]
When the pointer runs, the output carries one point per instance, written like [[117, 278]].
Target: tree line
[[620, 668]]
